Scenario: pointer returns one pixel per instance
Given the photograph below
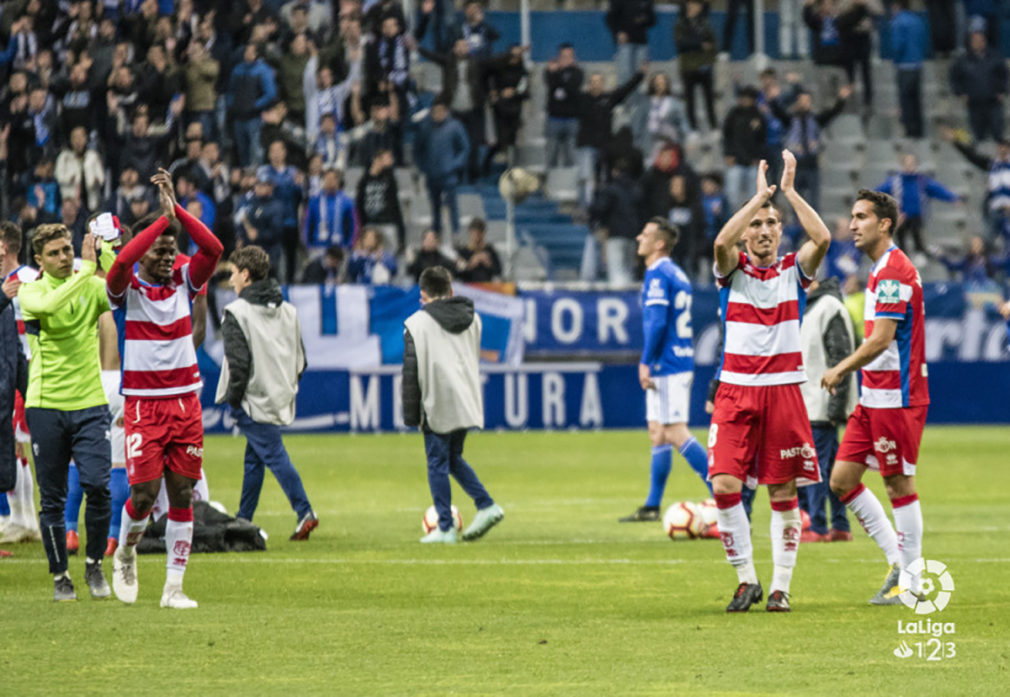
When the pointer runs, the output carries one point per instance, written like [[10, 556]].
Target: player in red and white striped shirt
[[161, 381], [885, 430], [760, 432]]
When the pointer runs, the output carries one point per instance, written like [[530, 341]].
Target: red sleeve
[[203, 263], [119, 275]]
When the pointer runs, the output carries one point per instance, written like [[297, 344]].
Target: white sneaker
[[485, 519], [446, 537], [124, 574], [175, 599]]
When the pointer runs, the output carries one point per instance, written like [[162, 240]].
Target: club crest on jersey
[[884, 446], [655, 289], [888, 291]]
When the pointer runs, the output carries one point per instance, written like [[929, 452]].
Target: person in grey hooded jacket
[[263, 361], [442, 394]]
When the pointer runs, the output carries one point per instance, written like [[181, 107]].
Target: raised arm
[[726, 255], [813, 250], [203, 263], [39, 300]]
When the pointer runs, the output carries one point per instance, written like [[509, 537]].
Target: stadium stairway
[[554, 239]]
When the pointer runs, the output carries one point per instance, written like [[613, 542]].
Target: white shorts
[[110, 383], [670, 402]]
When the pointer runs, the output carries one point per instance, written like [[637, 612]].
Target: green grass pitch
[[559, 599]]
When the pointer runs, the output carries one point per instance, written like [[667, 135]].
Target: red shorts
[[884, 439], [761, 434], [163, 433]]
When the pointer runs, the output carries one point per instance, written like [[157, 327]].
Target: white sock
[[908, 522], [200, 490], [178, 540], [131, 529], [785, 532], [870, 514], [734, 530]]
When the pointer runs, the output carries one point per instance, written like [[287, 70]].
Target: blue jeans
[[58, 436], [207, 120], [808, 185], [628, 57], [589, 162], [445, 457], [814, 497], [740, 184], [439, 187], [561, 141], [265, 448], [910, 101], [247, 141]]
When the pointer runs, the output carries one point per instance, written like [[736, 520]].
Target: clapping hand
[[763, 188], [788, 171]]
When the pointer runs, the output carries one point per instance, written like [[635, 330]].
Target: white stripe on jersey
[[889, 359], [769, 294], [880, 399], [750, 339], [161, 312], [145, 355], [750, 379]]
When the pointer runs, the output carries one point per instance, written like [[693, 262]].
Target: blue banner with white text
[[562, 359]]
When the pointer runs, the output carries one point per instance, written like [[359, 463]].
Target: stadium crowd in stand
[[259, 107]]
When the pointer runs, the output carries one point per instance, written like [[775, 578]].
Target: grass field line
[[347, 561]]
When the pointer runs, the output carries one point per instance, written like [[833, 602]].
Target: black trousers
[[699, 78], [57, 436]]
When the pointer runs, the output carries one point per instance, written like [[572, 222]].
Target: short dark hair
[[563, 46], [11, 236], [477, 224], [667, 230], [44, 234], [173, 229], [441, 100], [253, 259], [884, 206], [436, 282]]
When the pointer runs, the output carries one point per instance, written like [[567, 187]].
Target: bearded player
[[161, 382], [885, 430]]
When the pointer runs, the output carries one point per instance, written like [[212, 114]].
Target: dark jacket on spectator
[[13, 376], [251, 88], [615, 206], [267, 216], [596, 113], [377, 200], [827, 46], [427, 260], [690, 37], [441, 149], [743, 135], [563, 87], [480, 273], [474, 73], [979, 78], [633, 17]]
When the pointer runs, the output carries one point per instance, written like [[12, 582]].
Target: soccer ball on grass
[[683, 521], [430, 520]]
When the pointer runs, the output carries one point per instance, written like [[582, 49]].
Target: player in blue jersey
[[667, 366]]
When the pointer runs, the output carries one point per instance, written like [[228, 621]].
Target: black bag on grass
[[213, 531]]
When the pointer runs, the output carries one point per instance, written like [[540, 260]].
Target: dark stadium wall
[[593, 42]]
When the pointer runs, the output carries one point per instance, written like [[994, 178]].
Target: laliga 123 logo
[[937, 585]]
